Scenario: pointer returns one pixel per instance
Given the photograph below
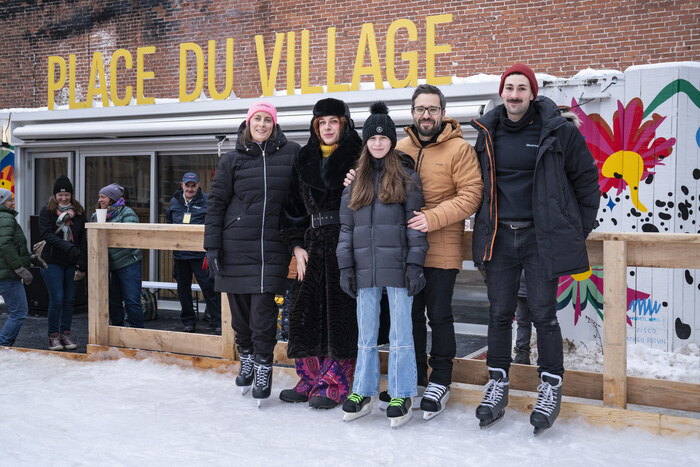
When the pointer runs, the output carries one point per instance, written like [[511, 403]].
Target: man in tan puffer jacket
[[453, 190]]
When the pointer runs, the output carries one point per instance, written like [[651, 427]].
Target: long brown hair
[[53, 205], [391, 186]]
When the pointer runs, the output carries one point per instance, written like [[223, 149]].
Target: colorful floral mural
[[627, 153], [7, 168]]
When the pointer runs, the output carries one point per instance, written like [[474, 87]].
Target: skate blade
[[484, 424], [245, 389], [259, 401], [398, 422], [539, 430], [350, 416], [431, 415], [383, 406]]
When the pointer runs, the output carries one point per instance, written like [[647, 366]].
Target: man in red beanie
[[541, 199]]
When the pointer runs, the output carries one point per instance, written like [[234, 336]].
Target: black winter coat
[[565, 194], [242, 222], [322, 318], [56, 249], [375, 239], [197, 208]]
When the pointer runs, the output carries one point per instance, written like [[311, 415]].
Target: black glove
[[213, 262], [73, 253], [586, 233], [25, 275], [415, 280], [347, 281], [37, 261]]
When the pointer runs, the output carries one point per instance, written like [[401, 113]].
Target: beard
[[431, 131]]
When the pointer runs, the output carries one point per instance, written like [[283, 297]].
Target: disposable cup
[[101, 215]]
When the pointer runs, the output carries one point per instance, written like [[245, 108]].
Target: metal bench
[[155, 285]]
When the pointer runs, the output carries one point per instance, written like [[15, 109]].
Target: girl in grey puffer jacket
[[377, 250]]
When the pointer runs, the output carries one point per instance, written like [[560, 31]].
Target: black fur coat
[[322, 318]]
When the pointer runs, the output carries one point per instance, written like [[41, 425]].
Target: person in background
[[14, 261], [244, 249], [377, 250], [189, 206], [62, 226], [322, 319], [124, 263]]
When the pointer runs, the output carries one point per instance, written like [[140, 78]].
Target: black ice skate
[[434, 399], [493, 405], [385, 398], [399, 411], [262, 378], [356, 406], [522, 356], [244, 380], [548, 402]]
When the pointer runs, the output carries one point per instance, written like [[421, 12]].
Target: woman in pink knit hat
[[244, 249]]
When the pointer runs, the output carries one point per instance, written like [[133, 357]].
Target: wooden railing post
[[615, 324], [98, 287], [228, 346]]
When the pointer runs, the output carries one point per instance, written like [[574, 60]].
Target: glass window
[[46, 171]]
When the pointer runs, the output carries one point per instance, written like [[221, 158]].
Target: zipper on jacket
[[419, 163], [262, 227]]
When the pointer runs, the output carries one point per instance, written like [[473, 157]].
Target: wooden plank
[[153, 339], [57, 353], [156, 240], [228, 336], [663, 255], [98, 285], [661, 393], [614, 324]]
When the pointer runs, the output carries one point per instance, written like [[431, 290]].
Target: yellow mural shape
[[582, 276], [629, 166]]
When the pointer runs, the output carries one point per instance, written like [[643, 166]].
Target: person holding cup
[[124, 263], [62, 226]]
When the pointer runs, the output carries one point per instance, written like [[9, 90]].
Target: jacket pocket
[[233, 221]]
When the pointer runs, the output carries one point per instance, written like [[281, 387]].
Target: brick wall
[[557, 37]]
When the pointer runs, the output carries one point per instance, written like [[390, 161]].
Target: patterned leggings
[[324, 376]]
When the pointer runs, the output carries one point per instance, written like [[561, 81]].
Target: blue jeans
[[15, 298], [513, 251], [60, 284], [402, 358], [125, 292], [184, 269]]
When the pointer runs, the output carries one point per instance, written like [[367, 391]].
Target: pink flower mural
[[627, 153]]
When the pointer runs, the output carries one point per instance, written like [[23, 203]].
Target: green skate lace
[[396, 401], [356, 398]]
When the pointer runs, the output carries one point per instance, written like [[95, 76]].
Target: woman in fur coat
[[322, 321]]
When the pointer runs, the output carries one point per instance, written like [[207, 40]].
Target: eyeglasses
[[432, 110]]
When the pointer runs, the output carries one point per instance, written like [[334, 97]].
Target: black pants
[[437, 298], [184, 268], [254, 318]]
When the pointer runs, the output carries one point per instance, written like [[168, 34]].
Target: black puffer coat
[[56, 249], [322, 318], [242, 223], [565, 193], [375, 240]]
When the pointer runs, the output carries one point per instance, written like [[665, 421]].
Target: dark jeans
[[184, 268], [254, 318], [515, 249], [437, 298], [60, 284], [125, 292]]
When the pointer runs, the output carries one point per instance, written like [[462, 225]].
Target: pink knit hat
[[262, 107], [523, 70]]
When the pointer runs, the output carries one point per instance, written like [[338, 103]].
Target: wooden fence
[[615, 251]]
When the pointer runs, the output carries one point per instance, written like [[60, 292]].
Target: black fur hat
[[330, 106], [379, 123]]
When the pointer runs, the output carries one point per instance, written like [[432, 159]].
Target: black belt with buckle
[[324, 218], [515, 225]]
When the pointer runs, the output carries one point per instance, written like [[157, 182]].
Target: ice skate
[[493, 405], [262, 378], [399, 411], [548, 403], [434, 399], [244, 380], [356, 407], [385, 398]]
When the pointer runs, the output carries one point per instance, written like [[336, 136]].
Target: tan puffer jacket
[[453, 190]]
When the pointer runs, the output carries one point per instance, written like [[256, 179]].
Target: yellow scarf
[[327, 150]]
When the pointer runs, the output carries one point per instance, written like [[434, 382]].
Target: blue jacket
[[197, 208]]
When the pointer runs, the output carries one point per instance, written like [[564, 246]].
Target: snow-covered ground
[[127, 412]]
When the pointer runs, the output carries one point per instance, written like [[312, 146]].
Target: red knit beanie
[[523, 70]]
